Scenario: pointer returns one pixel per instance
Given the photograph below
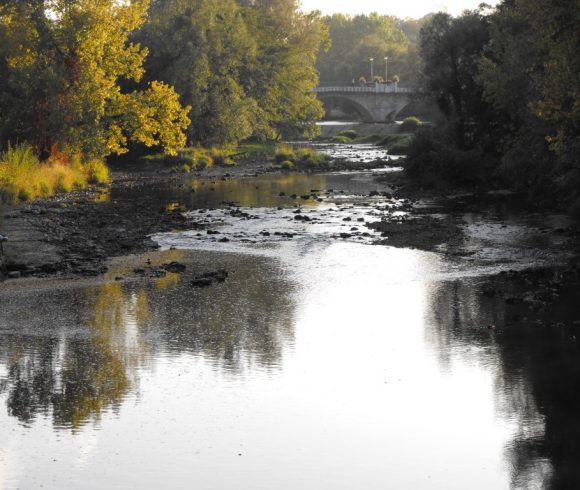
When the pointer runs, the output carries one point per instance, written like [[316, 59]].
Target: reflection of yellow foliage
[[103, 196], [259, 192], [172, 207], [107, 372], [108, 308], [170, 280], [109, 383], [116, 351], [142, 311]]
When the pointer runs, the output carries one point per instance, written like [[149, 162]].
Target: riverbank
[[75, 234]]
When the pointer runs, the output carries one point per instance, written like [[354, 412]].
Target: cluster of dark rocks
[[198, 280], [533, 295]]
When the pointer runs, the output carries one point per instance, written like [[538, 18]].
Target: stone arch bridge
[[376, 103]]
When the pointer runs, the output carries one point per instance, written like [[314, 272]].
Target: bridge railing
[[376, 89]]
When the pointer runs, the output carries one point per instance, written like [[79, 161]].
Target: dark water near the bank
[[319, 364]]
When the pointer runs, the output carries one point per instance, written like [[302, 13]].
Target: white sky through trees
[[398, 8]]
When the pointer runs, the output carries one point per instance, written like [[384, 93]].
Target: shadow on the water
[[536, 370]]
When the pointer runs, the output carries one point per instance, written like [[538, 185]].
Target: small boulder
[[175, 267]]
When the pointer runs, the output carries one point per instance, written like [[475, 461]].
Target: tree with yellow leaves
[[62, 67]]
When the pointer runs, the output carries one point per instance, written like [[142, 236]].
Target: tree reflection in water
[[536, 369], [80, 352], [77, 376]]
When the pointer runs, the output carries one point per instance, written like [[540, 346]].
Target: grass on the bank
[[23, 177], [345, 137], [289, 157], [370, 138], [196, 158]]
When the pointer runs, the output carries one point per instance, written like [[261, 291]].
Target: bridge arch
[[329, 100], [375, 103]]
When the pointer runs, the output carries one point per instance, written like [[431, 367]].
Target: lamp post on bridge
[[386, 69], [372, 71]]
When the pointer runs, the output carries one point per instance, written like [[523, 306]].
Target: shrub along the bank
[[196, 158], [435, 163], [23, 177], [341, 139], [410, 125], [398, 144], [306, 157]]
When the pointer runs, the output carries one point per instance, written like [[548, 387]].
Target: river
[[322, 362]]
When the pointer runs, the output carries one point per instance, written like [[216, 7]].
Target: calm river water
[[319, 364]]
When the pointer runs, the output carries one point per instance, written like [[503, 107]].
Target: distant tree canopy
[[357, 39], [245, 68]]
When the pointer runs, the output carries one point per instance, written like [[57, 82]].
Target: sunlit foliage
[[61, 64]]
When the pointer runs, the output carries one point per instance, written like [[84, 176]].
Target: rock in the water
[[208, 278], [201, 282], [176, 267]]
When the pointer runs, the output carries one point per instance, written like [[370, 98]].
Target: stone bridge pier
[[375, 104]]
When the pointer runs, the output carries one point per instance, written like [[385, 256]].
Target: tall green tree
[[200, 47], [555, 24], [245, 68], [284, 73], [530, 73], [451, 50], [63, 62]]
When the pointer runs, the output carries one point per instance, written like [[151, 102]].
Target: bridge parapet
[[376, 89]]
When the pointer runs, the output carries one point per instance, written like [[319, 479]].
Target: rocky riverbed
[[254, 204]]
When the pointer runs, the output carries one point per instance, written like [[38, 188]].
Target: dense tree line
[[246, 68], [356, 39], [95, 76], [508, 83]]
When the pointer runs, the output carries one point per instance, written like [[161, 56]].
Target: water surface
[[321, 363]]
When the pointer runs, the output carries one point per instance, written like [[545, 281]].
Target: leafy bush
[[349, 133], [309, 157], [220, 156], [203, 161], [341, 139], [398, 144], [434, 163], [284, 153], [97, 171], [301, 157], [410, 125]]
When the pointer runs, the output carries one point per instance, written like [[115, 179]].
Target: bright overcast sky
[[400, 8]]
